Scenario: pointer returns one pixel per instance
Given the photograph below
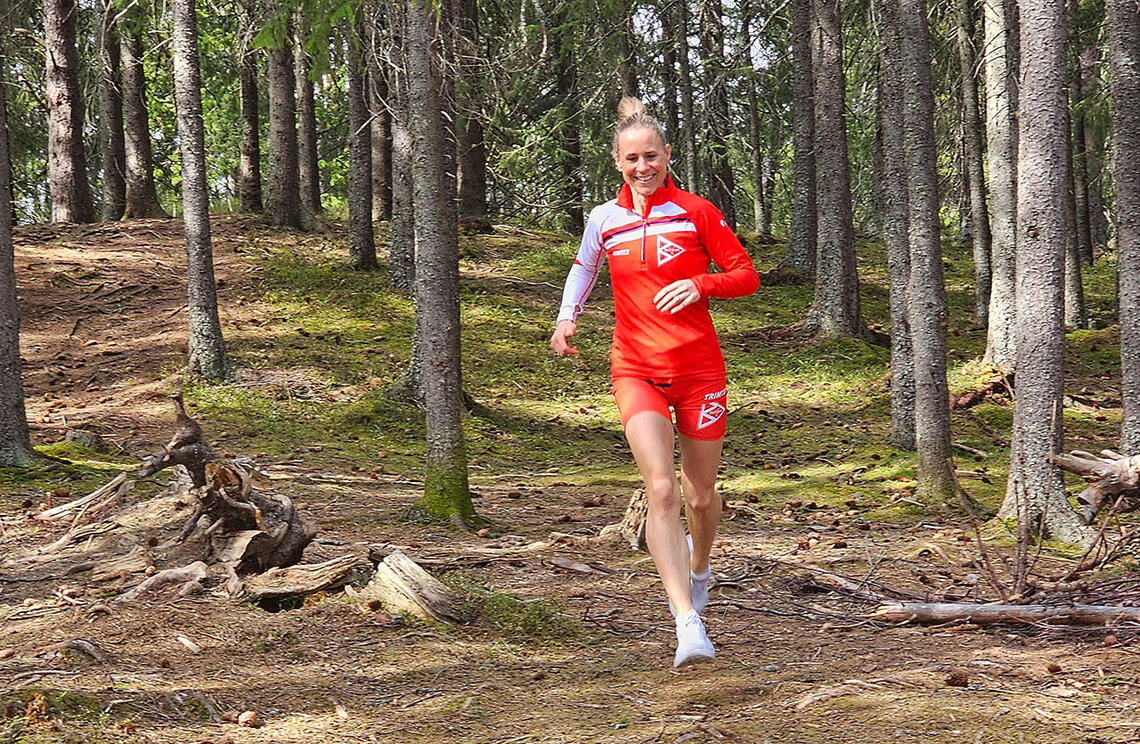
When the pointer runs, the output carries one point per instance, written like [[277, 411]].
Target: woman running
[[659, 241]]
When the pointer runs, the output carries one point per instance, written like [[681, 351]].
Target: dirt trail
[[586, 659]]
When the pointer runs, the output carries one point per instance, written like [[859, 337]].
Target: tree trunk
[[282, 192], [688, 140], [1098, 221], [67, 160], [307, 153], [381, 131], [207, 348], [570, 160], [1003, 191], [802, 234], [670, 81], [835, 310], [722, 185], [142, 196], [471, 150], [1124, 64], [111, 139], [250, 167], [759, 214], [972, 137], [768, 172], [1036, 492], [929, 314], [1080, 53], [361, 241], [895, 226], [627, 56], [402, 250], [1076, 316], [446, 494], [15, 444]]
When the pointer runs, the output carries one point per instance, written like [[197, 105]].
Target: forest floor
[[553, 655]]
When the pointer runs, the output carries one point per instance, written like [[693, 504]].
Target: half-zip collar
[[660, 196]]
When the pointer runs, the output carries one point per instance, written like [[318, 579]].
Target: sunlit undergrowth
[[808, 419]]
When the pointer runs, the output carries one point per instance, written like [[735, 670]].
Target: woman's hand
[[559, 341], [678, 295]]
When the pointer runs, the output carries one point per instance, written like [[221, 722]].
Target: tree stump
[[1109, 475], [400, 585], [631, 528], [257, 531]]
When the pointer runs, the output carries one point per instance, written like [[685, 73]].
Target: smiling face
[[643, 160]]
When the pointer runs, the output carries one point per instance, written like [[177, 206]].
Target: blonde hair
[[632, 114]]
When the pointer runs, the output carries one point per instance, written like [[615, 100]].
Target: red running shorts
[[700, 403]]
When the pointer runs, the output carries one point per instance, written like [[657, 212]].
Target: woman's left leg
[[700, 460]]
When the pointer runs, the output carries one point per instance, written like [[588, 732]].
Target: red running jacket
[[675, 239]]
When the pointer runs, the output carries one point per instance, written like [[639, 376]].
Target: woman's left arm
[[738, 276]]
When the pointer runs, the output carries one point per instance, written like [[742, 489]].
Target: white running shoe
[[693, 644]]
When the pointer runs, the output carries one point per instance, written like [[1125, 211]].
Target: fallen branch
[[195, 572], [861, 589], [1109, 474], [971, 398], [63, 511], [946, 612], [567, 564], [967, 448], [305, 579]]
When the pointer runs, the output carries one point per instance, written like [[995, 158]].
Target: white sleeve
[[584, 273]]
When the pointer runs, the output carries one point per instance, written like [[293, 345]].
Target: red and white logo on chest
[[667, 250]]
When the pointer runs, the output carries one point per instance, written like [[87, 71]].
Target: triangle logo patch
[[711, 412], [667, 250]]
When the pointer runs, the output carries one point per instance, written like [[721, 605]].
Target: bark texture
[[802, 235], [446, 494], [761, 219], [722, 184], [282, 190], [627, 45], [142, 196], [361, 241], [67, 159], [835, 310], [1036, 492], [570, 162], [381, 132], [974, 159], [471, 151], [688, 132], [307, 153], [15, 444], [111, 140], [1003, 191], [402, 250], [1076, 315], [207, 348], [929, 314], [1083, 59], [1124, 64], [250, 147], [895, 230]]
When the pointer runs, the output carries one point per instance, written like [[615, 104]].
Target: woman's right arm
[[579, 283]]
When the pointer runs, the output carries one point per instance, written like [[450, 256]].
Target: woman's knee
[[702, 498], [663, 494]]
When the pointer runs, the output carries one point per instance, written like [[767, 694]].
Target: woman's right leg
[[650, 438]]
